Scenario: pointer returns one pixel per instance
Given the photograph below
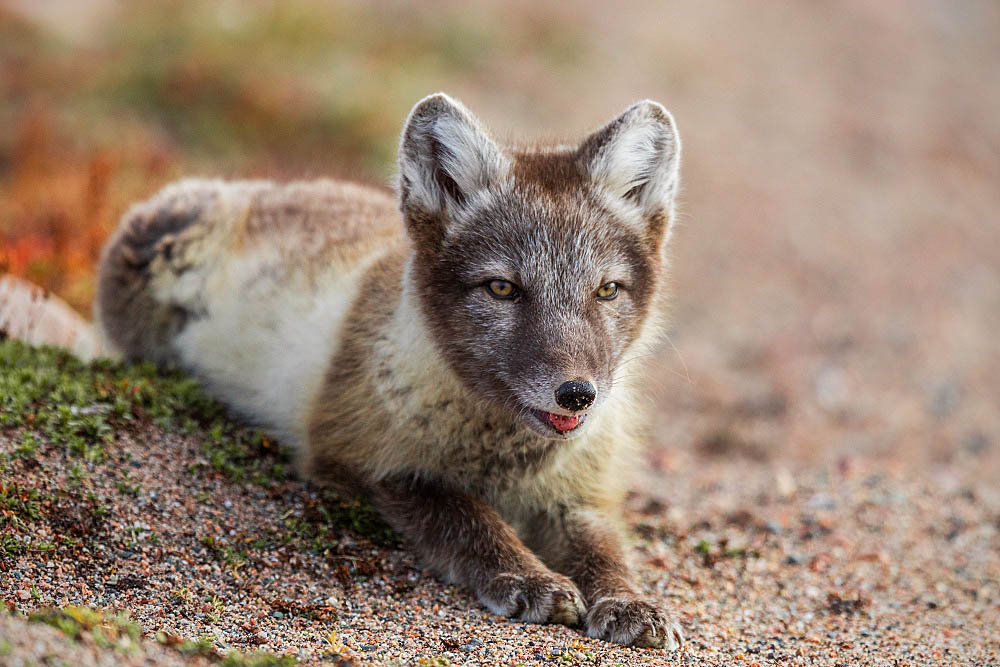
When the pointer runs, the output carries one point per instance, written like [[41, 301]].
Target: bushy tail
[[34, 315]]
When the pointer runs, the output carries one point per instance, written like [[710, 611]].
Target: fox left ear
[[637, 157], [445, 157]]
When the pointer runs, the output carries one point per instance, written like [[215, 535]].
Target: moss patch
[[50, 399], [49, 395], [116, 631]]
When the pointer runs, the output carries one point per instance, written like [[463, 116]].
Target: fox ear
[[445, 156], [637, 157]]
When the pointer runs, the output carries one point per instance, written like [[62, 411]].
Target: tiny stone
[[822, 501], [976, 442]]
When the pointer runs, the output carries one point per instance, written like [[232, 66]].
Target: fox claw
[[633, 622], [537, 598]]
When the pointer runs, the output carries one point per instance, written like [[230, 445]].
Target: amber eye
[[607, 291], [502, 289]]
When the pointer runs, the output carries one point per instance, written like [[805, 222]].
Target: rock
[[822, 501], [831, 389], [472, 645], [976, 443], [945, 399], [784, 482]]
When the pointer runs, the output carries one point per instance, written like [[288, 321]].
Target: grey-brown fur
[[370, 340], [143, 325]]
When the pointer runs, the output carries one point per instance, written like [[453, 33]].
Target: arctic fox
[[462, 354]]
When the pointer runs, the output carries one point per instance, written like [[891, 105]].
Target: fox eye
[[607, 291], [502, 289]]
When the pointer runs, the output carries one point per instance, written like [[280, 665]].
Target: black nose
[[575, 395]]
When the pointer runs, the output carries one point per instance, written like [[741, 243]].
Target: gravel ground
[[41, 644], [868, 560]]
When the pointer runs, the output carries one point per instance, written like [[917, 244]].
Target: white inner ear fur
[[443, 139], [638, 156]]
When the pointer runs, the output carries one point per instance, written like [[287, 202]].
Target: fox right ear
[[445, 157], [637, 157]]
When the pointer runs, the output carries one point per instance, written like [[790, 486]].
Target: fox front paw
[[633, 622], [544, 597]]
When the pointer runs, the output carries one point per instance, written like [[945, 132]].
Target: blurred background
[[837, 264]]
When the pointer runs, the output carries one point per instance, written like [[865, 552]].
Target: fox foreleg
[[468, 542]]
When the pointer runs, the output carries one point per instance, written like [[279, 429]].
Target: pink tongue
[[563, 423]]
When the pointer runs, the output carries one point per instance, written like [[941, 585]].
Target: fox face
[[538, 270]]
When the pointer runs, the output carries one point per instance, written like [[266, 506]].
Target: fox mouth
[[561, 424]]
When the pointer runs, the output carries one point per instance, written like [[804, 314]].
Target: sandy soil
[[774, 562]]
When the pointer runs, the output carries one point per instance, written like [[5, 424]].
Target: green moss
[[120, 633], [435, 661], [711, 555], [18, 507], [115, 631], [51, 396], [227, 555], [331, 515], [61, 621], [11, 547], [28, 447], [204, 646], [360, 517]]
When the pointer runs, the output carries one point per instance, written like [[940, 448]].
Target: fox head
[[538, 270]]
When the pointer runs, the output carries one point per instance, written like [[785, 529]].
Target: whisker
[[680, 357]]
